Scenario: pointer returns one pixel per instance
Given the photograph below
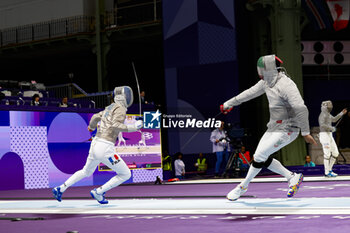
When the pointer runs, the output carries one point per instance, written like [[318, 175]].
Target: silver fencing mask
[[124, 96], [326, 106], [267, 69]]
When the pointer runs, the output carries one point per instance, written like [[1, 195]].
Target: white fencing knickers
[[330, 151], [272, 142], [101, 151], [269, 144]]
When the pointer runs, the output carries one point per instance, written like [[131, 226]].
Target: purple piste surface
[[58, 223], [260, 190]]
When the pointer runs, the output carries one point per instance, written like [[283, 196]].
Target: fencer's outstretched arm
[[251, 93], [94, 120], [292, 95], [337, 117]]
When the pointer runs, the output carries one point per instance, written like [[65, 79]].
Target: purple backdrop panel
[[11, 172], [68, 127], [24, 118], [146, 175], [50, 146], [5, 143], [4, 118], [69, 157], [30, 143]]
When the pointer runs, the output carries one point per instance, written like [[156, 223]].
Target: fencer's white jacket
[[111, 122], [286, 106], [325, 120]]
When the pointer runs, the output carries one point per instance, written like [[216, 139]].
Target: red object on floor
[[173, 180]]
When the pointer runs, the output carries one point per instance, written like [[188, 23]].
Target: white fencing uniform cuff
[[305, 133]]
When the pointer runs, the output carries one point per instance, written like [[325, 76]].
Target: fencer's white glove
[[136, 126], [334, 129]]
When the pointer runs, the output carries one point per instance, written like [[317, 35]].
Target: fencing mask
[[267, 68], [326, 106], [124, 96]]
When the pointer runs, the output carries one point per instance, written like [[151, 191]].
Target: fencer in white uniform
[[330, 149], [288, 115], [102, 149]]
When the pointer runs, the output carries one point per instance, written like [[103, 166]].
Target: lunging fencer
[[330, 149], [288, 115], [102, 149]]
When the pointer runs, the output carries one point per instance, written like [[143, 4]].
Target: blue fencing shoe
[[98, 197], [57, 193], [331, 174]]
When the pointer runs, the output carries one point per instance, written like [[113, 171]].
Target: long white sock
[[278, 168], [72, 180], [331, 163], [326, 163], [113, 182], [252, 172]]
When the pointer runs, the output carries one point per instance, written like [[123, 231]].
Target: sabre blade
[[336, 125], [138, 86]]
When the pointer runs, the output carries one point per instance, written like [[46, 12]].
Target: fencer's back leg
[[118, 165]]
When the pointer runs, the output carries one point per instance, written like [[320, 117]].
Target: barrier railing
[[69, 90], [134, 14], [120, 16], [47, 30], [73, 91], [100, 100]]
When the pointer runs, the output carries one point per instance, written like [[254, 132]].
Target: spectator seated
[[16, 95]]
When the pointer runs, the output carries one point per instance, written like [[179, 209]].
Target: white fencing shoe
[[236, 193], [294, 184]]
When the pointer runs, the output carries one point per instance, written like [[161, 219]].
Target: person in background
[[64, 102], [220, 146], [179, 167], [237, 162], [201, 163], [308, 162], [142, 95], [329, 147], [35, 100], [244, 154], [167, 168]]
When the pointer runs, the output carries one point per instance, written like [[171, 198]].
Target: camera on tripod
[[234, 136]]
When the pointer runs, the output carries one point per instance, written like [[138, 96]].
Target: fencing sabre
[[336, 125], [138, 91], [138, 87]]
